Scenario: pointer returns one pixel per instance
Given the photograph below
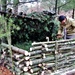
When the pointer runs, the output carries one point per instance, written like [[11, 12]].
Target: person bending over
[[66, 28]]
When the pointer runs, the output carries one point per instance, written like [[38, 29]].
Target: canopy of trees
[[46, 4]]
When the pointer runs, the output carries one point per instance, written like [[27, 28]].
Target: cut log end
[[25, 69]]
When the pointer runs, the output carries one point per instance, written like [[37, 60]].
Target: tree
[[70, 4], [48, 4], [15, 3], [4, 4]]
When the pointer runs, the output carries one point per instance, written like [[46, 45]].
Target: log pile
[[43, 56], [19, 58], [55, 55]]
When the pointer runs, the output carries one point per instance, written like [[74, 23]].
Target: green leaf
[[15, 2], [46, 28], [4, 35]]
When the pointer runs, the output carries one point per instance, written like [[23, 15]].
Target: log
[[62, 71], [35, 52], [51, 42], [35, 57], [27, 73], [67, 63], [18, 56], [46, 59], [67, 43], [51, 50], [21, 65], [65, 66], [38, 61], [39, 43], [67, 48], [69, 72], [17, 70], [34, 70], [35, 48], [19, 73], [65, 54], [40, 47], [27, 63], [27, 58], [25, 69], [17, 63], [51, 45], [16, 49], [8, 66], [9, 59], [40, 51], [50, 65], [33, 66]]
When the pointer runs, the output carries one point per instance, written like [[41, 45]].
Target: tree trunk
[[73, 14], [4, 6], [16, 2]]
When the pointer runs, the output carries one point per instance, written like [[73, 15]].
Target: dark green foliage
[[35, 27], [24, 45]]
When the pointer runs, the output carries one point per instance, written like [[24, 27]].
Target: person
[[66, 28]]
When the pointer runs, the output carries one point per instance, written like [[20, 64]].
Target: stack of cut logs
[[43, 56]]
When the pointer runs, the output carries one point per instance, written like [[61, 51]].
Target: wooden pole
[[16, 49], [56, 1], [73, 14]]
